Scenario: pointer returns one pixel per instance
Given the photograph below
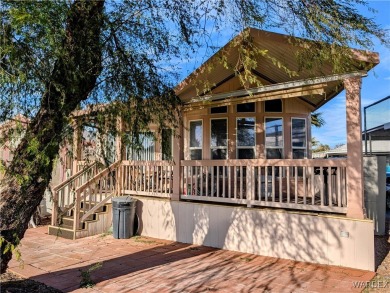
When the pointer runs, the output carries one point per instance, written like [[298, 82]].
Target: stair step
[[89, 206], [61, 232]]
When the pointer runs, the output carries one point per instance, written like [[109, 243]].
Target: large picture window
[[274, 138], [298, 138], [218, 139], [246, 138], [196, 140], [141, 147]]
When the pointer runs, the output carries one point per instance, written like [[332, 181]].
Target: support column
[[118, 140], [177, 156], [355, 178], [77, 148]]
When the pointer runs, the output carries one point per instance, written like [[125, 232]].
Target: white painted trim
[[189, 138], [246, 147], [305, 148], [265, 135]]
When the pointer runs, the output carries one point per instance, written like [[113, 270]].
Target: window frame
[[171, 130], [227, 138], [279, 112], [246, 147], [242, 112], [128, 151], [220, 113], [189, 138], [265, 136], [306, 144]]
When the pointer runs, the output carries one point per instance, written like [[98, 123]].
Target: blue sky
[[375, 86]]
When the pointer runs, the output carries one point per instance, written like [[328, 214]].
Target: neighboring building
[[375, 147], [239, 175], [376, 134]]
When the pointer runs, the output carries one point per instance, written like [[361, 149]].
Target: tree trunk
[[73, 78]]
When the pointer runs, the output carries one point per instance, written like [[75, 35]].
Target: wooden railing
[[64, 193], [315, 185], [153, 178], [95, 193]]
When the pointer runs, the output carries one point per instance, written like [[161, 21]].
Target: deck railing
[[95, 193], [316, 185], [64, 193], [153, 178], [313, 185]]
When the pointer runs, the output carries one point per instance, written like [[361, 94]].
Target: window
[[274, 138], [166, 144], [218, 139], [196, 140], [273, 106], [90, 143], [141, 147], [218, 110], [109, 148], [245, 108], [298, 138], [246, 138]]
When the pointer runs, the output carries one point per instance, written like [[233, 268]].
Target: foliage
[[86, 279], [317, 120], [139, 40], [121, 59], [318, 147]]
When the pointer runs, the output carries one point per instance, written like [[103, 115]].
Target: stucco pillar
[[354, 147]]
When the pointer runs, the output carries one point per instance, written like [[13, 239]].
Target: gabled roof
[[213, 77]]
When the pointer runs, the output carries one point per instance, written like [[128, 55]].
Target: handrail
[[97, 176], [91, 211], [74, 177], [267, 162], [81, 194]]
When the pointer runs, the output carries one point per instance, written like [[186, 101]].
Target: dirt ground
[[381, 282]]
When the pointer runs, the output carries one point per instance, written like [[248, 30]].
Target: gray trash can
[[123, 213]]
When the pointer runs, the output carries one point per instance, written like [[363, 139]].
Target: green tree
[[57, 56], [317, 120]]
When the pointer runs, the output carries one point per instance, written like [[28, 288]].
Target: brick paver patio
[[145, 265]]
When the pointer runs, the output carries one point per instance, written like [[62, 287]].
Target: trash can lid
[[121, 199]]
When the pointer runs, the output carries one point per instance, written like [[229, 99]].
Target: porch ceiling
[[213, 78]]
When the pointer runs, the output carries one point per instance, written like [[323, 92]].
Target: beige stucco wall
[[297, 236]]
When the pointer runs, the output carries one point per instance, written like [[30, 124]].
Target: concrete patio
[[145, 265]]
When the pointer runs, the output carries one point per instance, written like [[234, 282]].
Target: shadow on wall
[[261, 231]]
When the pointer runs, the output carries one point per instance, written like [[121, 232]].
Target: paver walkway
[[145, 265]]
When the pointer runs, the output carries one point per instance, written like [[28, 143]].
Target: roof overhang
[[214, 82], [312, 91]]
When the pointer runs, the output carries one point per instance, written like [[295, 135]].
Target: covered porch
[[270, 169]]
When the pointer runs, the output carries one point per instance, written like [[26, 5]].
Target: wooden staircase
[[82, 204]]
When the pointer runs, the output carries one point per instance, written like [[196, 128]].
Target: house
[[238, 174], [11, 133]]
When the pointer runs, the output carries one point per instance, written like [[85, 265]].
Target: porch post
[[77, 149], [118, 139], [177, 157], [355, 178], [118, 155]]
